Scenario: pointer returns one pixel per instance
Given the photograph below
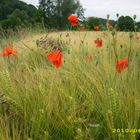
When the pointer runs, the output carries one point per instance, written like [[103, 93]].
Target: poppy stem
[[130, 49], [114, 48]]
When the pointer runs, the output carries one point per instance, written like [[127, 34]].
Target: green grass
[[82, 100]]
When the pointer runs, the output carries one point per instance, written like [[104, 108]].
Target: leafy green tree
[[48, 10], [126, 23], [10, 9], [56, 12], [17, 18], [138, 26], [92, 21], [69, 7]]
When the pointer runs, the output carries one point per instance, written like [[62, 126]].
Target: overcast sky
[[100, 8]]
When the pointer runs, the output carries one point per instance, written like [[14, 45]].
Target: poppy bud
[[134, 17], [117, 15], [131, 35], [108, 16], [113, 32]]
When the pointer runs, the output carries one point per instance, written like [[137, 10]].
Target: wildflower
[[8, 50], [121, 64], [55, 58], [110, 26], [83, 28], [99, 43], [73, 20], [96, 28]]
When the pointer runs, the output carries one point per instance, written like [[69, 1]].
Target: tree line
[[53, 14]]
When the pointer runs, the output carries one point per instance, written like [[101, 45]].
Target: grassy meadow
[[85, 99]]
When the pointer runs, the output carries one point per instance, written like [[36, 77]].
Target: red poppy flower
[[99, 43], [121, 64], [83, 28], [96, 28], [73, 20], [8, 50], [55, 58], [110, 26]]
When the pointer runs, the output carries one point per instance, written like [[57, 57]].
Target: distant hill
[[103, 20], [15, 13], [112, 22], [91, 22], [7, 7]]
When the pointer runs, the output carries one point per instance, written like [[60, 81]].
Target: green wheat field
[[84, 99]]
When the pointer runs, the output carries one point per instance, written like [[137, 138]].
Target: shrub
[[126, 23]]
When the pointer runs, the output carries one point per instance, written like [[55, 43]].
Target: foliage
[[26, 14], [94, 21], [56, 12], [138, 26], [126, 23], [91, 22], [16, 19]]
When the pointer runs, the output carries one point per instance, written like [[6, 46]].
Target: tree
[[91, 22], [126, 23], [48, 9], [10, 9], [138, 26], [71, 7], [56, 12], [17, 18]]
